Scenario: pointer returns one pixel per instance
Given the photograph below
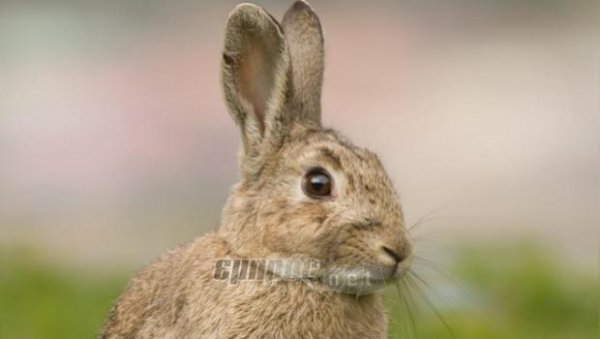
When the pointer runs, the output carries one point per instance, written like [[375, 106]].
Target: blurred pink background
[[115, 143]]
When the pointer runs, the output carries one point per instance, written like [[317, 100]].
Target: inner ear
[[256, 75]]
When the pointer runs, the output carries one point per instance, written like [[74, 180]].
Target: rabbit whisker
[[413, 279]]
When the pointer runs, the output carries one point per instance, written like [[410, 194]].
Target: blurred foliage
[[42, 299], [516, 291], [505, 291]]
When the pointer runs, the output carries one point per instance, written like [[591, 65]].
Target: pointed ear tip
[[244, 6], [247, 8], [252, 14], [301, 6]]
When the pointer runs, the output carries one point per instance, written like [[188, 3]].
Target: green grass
[[517, 291], [39, 299]]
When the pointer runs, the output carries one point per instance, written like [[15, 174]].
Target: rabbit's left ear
[[256, 76], [304, 37]]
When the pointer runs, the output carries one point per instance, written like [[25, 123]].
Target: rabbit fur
[[272, 76]]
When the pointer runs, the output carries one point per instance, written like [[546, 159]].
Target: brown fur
[[272, 79]]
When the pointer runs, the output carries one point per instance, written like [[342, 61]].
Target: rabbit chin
[[360, 280]]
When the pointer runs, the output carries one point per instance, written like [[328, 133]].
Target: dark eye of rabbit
[[317, 183]]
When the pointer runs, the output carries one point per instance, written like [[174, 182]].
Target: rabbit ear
[[256, 75], [304, 36]]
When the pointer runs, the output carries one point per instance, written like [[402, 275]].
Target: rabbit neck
[[296, 308]]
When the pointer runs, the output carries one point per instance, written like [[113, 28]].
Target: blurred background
[[115, 145]]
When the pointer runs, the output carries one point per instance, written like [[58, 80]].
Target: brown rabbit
[[306, 194]]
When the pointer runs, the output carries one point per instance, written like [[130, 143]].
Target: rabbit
[[305, 192]]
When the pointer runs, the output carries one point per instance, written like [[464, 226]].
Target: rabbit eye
[[317, 183]]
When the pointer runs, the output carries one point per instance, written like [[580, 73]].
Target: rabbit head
[[304, 190]]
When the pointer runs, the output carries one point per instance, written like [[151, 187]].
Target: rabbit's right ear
[[256, 76], [304, 35]]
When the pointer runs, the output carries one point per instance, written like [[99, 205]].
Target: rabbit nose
[[398, 257]]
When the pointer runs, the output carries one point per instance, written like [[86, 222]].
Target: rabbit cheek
[[295, 228]]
